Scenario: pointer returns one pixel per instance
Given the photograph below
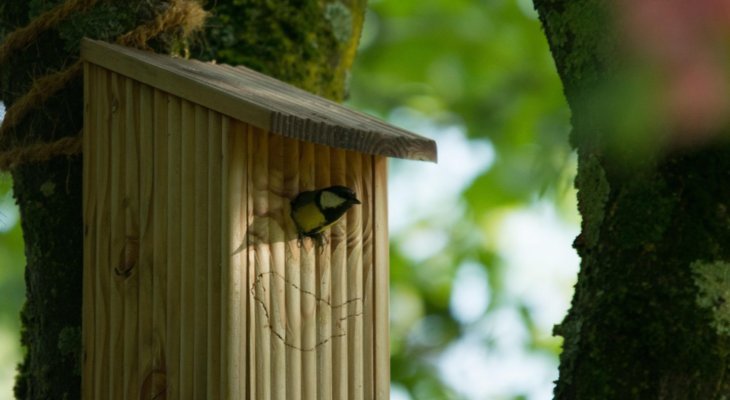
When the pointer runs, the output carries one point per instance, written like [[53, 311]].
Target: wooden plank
[[144, 127], [327, 123], [309, 284], [117, 266], [103, 262], [175, 249], [126, 273], [259, 231], [155, 382], [165, 73], [354, 266], [247, 324], [200, 265], [381, 278], [338, 239], [323, 281], [369, 291], [188, 262], [88, 320], [215, 170], [277, 277], [234, 255], [265, 102], [292, 273], [252, 317]]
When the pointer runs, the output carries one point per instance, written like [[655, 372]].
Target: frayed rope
[[186, 15]]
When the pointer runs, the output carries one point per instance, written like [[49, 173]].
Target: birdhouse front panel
[[197, 282]]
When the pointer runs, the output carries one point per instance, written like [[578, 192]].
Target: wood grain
[[262, 101], [338, 237], [234, 294], [292, 273], [214, 263], [323, 279], [126, 272], [146, 352], [103, 264], [200, 243], [253, 324], [309, 285], [175, 200], [187, 247], [259, 231], [277, 277], [354, 268], [381, 280], [159, 157], [113, 232], [369, 290]]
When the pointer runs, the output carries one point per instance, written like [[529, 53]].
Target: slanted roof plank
[[262, 101]]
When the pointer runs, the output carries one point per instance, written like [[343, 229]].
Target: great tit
[[316, 210]]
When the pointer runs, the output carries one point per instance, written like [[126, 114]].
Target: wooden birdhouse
[[196, 285]]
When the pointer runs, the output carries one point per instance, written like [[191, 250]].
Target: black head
[[343, 192]]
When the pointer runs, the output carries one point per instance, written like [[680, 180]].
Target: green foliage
[[12, 288], [713, 280], [483, 68], [11, 257]]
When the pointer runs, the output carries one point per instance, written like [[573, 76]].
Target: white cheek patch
[[330, 200]]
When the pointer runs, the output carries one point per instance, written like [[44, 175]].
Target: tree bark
[[650, 317], [49, 193]]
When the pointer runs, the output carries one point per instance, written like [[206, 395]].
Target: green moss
[[306, 43], [47, 188], [713, 283], [580, 38], [340, 19], [69, 340]]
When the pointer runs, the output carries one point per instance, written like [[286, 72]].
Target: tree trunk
[[650, 317], [310, 44]]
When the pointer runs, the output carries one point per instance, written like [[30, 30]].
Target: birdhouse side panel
[[112, 296], [310, 324], [154, 215]]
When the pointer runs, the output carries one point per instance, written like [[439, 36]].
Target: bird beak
[[355, 201]]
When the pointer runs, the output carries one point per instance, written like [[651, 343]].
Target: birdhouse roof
[[261, 101]]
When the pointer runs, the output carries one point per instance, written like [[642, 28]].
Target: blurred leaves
[[12, 260], [12, 289], [482, 68]]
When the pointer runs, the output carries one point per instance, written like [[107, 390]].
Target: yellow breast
[[309, 218]]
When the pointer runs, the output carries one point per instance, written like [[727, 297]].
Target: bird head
[[337, 197]]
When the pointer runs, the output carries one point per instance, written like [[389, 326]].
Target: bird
[[316, 210]]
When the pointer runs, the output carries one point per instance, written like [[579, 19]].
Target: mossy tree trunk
[[650, 318], [309, 43]]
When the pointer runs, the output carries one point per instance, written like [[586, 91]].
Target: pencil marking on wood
[[260, 301]]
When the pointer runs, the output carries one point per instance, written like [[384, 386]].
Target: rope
[[49, 19], [38, 152], [43, 88], [184, 14]]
